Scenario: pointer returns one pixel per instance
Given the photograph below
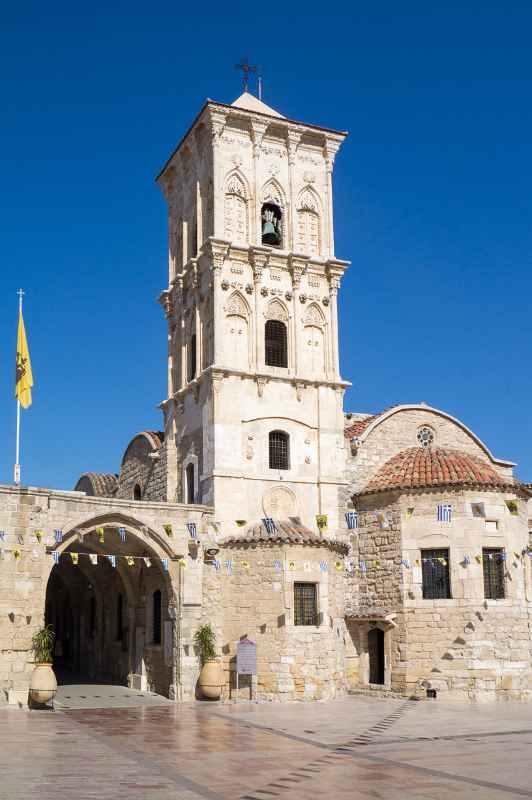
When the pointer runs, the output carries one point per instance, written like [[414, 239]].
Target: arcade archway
[[110, 600]]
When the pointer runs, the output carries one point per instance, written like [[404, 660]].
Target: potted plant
[[43, 683], [210, 679]]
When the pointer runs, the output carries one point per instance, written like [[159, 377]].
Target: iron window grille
[[276, 343], [305, 604], [279, 450], [493, 567], [435, 574]]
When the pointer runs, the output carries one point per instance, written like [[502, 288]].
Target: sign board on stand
[[246, 659]]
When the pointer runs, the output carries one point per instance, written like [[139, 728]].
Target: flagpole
[[16, 471]]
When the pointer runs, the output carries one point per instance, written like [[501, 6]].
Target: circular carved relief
[[279, 503], [425, 436]]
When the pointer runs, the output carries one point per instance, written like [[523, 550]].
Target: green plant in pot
[[210, 679], [43, 683]]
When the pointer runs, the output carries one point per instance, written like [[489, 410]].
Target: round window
[[425, 436]]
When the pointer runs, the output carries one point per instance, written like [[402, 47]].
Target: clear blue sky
[[432, 192]]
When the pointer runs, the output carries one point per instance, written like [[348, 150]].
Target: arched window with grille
[[276, 343], [192, 358], [137, 492], [156, 617], [279, 450]]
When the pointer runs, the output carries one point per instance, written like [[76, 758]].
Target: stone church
[[363, 553]]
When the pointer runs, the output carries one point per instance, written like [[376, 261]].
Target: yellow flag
[[24, 377]]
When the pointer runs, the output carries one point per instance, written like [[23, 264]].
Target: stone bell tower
[[253, 418]]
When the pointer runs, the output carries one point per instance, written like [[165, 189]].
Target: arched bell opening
[[111, 604], [272, 225]]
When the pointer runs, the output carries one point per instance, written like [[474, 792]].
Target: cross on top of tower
[[247, 70]]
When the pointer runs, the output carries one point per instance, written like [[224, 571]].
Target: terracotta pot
[[210, 680], [43, 684]]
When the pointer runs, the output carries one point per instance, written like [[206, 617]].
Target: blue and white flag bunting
[[56, 556], [405, 562], [58, 535], [324, 567], [229, 565], [277, 566], [362, 565], [192, 529], [122, 534], [216, 564], [112, 559], [164, 562], [269, 525], [467, 559], [445, 512], [351, 519]]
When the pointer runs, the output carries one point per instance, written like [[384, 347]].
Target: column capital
[[298, 267], [258, 129], [293, 137], [218, 250], [217, 119], [259, 257]]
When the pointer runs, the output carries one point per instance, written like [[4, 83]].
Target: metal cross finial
[[247, 69]]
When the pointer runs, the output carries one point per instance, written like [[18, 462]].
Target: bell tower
[[253, 417]]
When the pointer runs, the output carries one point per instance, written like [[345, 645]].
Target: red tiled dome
[[420, 467]]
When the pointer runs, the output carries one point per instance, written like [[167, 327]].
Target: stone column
[[334, 285], [293, 139], [258, 129], [329, 152], [218, 253], [259, 259], [298, 267], [217, 119]]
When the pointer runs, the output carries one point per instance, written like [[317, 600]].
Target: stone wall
[[138, 468], [294, 662]]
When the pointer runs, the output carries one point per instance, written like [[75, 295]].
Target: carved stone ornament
[[249, 288], [264, 291], [307, 459], [325, 301], [236, 306], [261, 383], [299, 391], [277, 311], [309, 177], [249, 453], [235, 185], [279, 503], [225, 285], [236, 158], [288, 295], [303, 298], [273, 170], [313, 317]]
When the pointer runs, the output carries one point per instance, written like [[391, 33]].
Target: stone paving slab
[[355, 748], [104, 695]]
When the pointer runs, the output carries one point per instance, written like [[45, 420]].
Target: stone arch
[[237, 305], [309, 216], [313, 342], [236, 207], [272, 192], [314, 316], [136, 659]]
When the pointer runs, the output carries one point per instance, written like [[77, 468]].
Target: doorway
[[376, 656]]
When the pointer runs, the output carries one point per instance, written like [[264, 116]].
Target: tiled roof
[[103, 484], [290, 531], [420, 467], [358, 427], [369, 613], [156, 438]]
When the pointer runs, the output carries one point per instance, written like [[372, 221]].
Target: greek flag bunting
[[269, 525], [324, 567], [467, 560], [112, 559], [351, 519], [277, 566], [58, 535], [192, 529], [2, 536], [362, 565], [229, 565], [164, 562], [216, 564], [122, 534], [56, 556], [445, 512]]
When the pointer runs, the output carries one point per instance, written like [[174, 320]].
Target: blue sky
[[432, 193]]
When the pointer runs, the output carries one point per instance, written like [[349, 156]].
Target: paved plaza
[[355, 748]]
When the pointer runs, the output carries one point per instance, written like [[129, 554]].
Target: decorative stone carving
[[236, 158], [299, 391], [237, 306], [249, 288], [325, 301], [261, 383], [279, 503], [225, 285], [264, 291], [303, 298], [276, 310], [288, 295], [309, 177], [313, 317], [273, 193]]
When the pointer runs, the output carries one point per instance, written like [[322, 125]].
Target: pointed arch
[[236, 207], [237, 306], [272, 192], [276, 309], [314, 316], [309, 216]]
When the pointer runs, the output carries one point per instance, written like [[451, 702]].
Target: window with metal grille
[[279, 450], [305, 604], [276, 343], [493, 565], [192, 358], [435, 574], [157, 607]]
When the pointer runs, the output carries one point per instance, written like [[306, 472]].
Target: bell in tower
[[271, 225]]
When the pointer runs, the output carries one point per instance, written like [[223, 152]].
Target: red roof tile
[[425, 466]]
